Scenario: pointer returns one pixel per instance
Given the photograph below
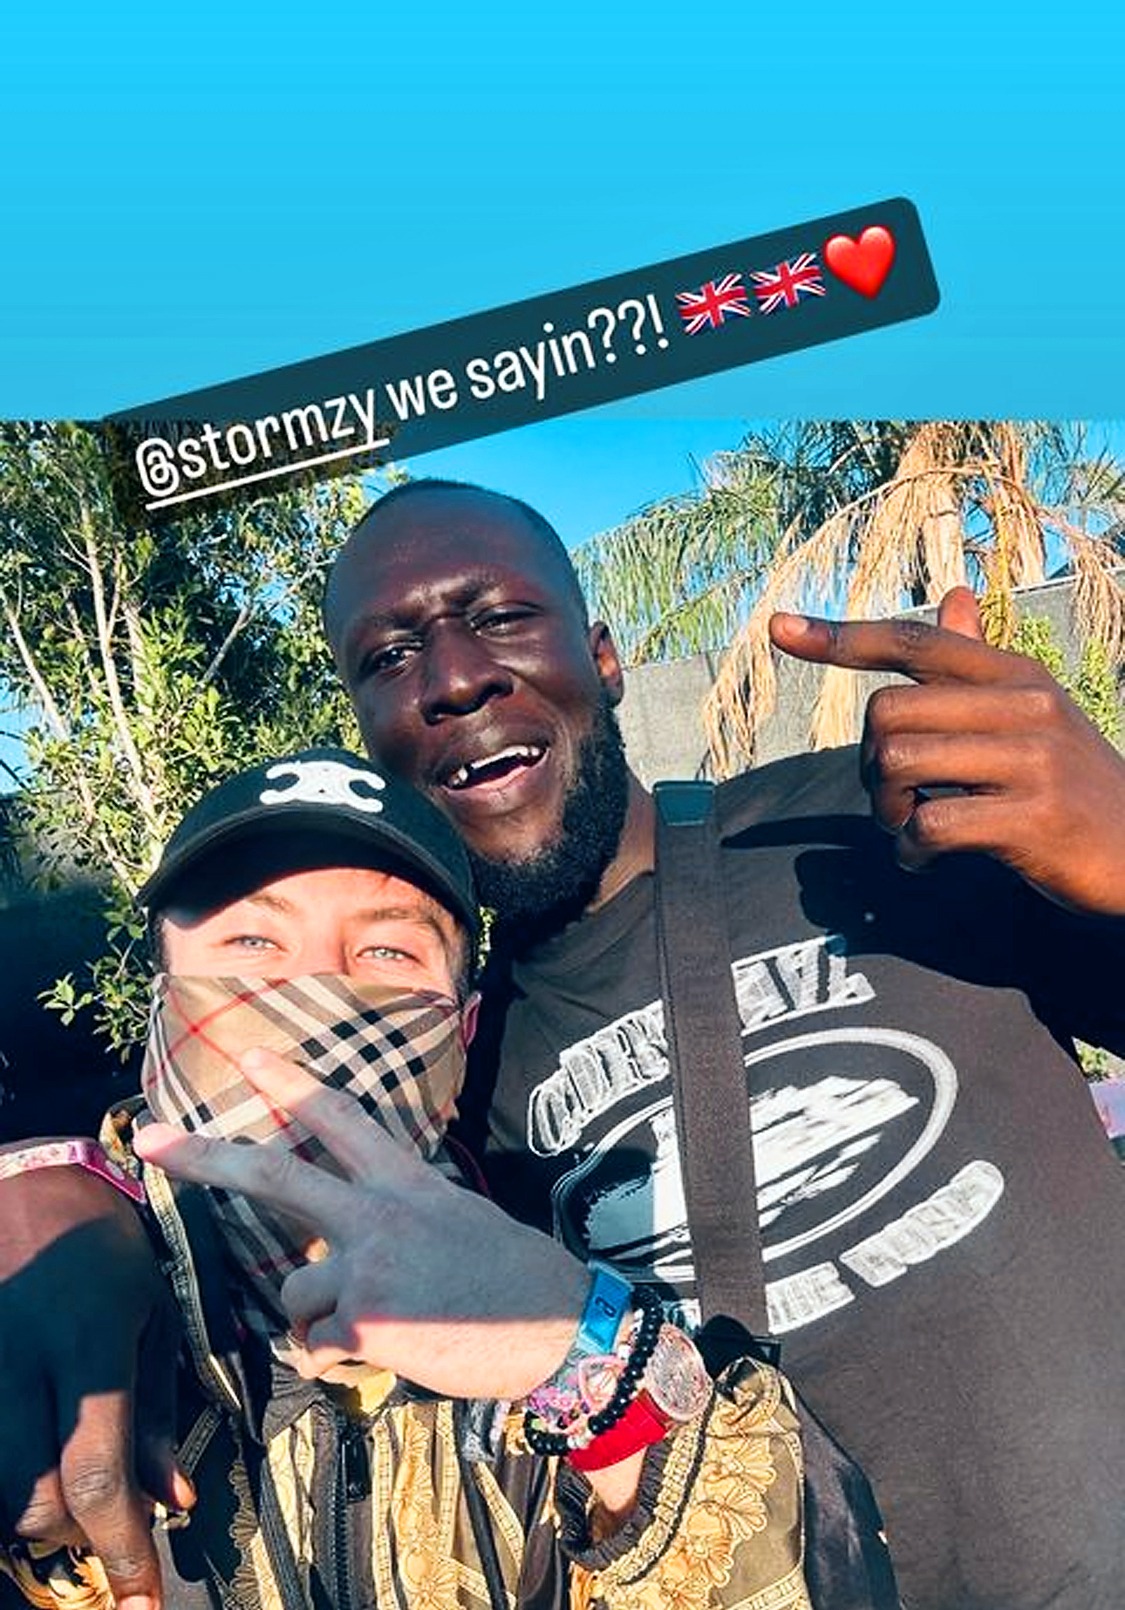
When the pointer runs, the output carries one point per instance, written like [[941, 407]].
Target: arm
[[87, 1349], [1034, 783], [393, 1291], [719, 1516]]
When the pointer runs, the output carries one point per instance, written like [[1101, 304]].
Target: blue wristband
[[608, 1301], [559, 1400]]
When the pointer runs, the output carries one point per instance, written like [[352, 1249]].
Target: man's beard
[[550, 888]]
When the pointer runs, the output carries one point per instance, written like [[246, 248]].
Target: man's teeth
[[473, 770]]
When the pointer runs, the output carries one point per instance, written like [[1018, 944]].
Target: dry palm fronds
[[957, 508], [1099, 598]]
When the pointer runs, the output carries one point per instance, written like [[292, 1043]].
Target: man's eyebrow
[[430, 914], [272, 902], [404, 619]]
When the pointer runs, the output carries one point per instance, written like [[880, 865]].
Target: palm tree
[[858, 518]]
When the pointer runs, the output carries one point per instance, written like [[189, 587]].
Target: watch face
[[676, 1379]]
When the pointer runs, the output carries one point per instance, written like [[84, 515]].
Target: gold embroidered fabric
[[724, 1531], [53, 1579], [727, 1521], [718, 1524]]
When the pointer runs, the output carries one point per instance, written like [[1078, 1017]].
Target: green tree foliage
[[1092, 683], [150, 660], [1096, 690], [680, 577]]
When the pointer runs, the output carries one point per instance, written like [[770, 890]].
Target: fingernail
[[795, 625]]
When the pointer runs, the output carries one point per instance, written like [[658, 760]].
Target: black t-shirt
[[943, 1220]]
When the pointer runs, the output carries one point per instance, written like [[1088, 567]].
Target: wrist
[[615, 1489], [556, 1299], [595, 1386], [45, 1205], [604, 1314]]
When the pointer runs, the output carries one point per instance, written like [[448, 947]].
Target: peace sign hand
[[421, 1277]]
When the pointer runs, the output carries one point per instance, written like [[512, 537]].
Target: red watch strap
[[641, 1425]]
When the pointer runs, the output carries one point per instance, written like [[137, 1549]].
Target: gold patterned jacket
[[330, 1498]]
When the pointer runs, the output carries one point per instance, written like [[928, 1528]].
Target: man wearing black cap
[[322, 911]]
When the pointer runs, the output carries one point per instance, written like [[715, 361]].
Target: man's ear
[[469, 1014], [606, 661]]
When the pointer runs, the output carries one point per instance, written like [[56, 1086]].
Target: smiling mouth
[[495, 768]]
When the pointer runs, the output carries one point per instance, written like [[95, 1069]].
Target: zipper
[[355, 1461], [346, 1512], [179, 1267]]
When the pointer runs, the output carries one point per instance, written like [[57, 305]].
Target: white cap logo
[[323, 782]]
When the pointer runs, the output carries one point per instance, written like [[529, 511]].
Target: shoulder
[[800, 786]]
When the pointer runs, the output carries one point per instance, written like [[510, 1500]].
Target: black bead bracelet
[[549, 1443]]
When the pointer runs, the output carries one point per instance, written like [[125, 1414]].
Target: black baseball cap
[[333, 794]]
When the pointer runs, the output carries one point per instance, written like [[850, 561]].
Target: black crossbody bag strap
[[705, 1056], [845, 1561]]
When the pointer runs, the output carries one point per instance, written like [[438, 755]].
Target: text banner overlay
[[549, 355]]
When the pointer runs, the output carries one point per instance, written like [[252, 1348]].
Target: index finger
[[913, 648], [350, 1134]]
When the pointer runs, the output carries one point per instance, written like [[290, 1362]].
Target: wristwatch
[[674, 1389]]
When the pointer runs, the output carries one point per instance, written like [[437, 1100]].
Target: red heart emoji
[[864, 263]]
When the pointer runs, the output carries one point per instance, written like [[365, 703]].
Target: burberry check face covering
[[400, 1055]]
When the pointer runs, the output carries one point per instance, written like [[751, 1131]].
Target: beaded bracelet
[[542, 1440], [564, 1403]]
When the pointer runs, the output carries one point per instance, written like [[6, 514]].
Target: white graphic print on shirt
[[842, 1115]]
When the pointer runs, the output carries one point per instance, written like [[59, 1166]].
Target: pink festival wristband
[[85, 1154]]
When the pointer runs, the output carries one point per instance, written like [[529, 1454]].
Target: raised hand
[[421, 1277], [984, 752], [87, 1357]]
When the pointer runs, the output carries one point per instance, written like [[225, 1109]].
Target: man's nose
[[324, 953], [461, 672]]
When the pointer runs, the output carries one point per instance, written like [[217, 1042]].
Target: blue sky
[[193, 195], [588, 473]]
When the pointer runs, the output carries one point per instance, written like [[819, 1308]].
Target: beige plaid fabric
[[400, 1055]]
